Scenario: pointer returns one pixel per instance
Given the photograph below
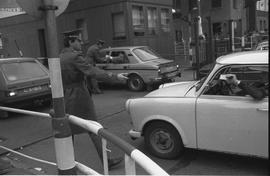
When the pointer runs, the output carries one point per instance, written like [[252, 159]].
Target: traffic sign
[[31, 7]]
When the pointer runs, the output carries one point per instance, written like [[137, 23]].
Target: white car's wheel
[[163, 140], [135, 83]]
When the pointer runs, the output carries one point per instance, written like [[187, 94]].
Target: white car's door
[[233, 124]]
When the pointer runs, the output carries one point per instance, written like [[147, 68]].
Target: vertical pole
[[230, 36], [62, 133], [197, 48], [130, 166], [210, 40], [196, 36], [233, 47], [105, 156]]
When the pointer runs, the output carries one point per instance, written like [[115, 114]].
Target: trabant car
[[190, 114], [23, 81], [144, 66]]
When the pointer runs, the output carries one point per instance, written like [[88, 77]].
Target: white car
[[194, 114]]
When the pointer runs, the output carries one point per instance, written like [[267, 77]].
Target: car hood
[[177, 89]]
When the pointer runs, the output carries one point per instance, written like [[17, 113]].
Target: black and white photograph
[[134, 87]]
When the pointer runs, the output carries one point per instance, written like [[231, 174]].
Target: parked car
[[145, 67], [263, 46], [23, 81], [189, 114]]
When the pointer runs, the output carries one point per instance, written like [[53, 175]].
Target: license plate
[[168, 69], [31, 89], [171, 74]]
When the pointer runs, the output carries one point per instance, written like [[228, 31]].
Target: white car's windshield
[[145, 54]]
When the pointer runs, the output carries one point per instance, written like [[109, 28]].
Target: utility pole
[[62, 133], [196, 12]]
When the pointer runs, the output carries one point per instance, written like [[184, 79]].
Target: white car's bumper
[[134, 134]]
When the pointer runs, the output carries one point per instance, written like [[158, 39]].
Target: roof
[[124, 48], [248, 57], [3, 60]]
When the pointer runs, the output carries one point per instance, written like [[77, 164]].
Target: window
[[22, 71], [165, 20], [119, 57], [264, 25], [235, 4], [217, 29], [152, 20], [82, 25], [138, 20], [178, 35], [145, 54], [252, 75], [216, 3], [119, 27]]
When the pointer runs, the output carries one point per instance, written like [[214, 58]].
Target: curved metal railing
[[132, 155]]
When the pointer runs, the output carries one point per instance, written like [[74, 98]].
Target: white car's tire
[[163, 140]]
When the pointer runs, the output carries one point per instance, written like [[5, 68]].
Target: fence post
[[130, 165], [62, 133]]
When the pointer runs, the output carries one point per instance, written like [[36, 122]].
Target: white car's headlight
[[127, 105]]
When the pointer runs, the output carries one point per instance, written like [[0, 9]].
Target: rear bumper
[[165, 78], [27, 100]]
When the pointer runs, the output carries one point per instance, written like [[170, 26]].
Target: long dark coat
[[78, 100]]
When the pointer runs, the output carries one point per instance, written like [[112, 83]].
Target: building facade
[[223, 22], [118, 22]]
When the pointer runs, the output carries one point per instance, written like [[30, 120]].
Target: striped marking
[[56, 77], [88, 125], [64, 153], [146, 163], [59, 107]]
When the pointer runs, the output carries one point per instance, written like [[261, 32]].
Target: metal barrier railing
[[132, 155]]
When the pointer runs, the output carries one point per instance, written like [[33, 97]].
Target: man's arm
[[256, 93], [95, 72]]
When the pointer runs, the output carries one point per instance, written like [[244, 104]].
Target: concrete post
[[62, 133]]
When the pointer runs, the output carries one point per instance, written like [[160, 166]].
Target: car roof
[[6, 60], [248, 57], [124, 47]]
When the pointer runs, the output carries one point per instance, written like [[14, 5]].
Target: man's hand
[[231, 79], [122, 76]]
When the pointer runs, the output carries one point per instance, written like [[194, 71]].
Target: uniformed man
[[93, 56], [78, 100]]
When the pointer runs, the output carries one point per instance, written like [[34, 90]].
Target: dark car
[[23, 81]]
